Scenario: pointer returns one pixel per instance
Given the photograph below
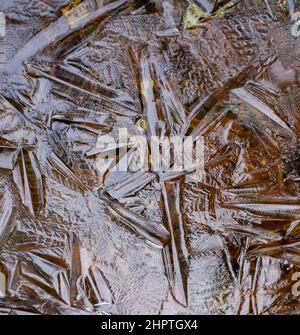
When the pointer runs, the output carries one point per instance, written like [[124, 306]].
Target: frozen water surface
[[78, 237]]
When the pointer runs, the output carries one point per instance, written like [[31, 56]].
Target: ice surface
[[74, 240]]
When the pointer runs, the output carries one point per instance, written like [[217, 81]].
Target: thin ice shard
[[8, 156], [65, 174], [76, 267], [169, 28], [60, 79], [175, 113], [29, 180], [132, 184], [265, 207], [260, 106], [100, 286], [153, 232], [254, 231], [205, 104], [2, 285], [6, 210], [272, 248], [89, 125], [176, 255], [148, 96], [77, 18]]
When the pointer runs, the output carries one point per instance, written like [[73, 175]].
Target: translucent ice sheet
[[79, 237]]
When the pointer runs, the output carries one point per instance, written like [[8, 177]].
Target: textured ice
[[77, 241]]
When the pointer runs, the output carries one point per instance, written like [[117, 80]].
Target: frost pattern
[[74, 241]]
